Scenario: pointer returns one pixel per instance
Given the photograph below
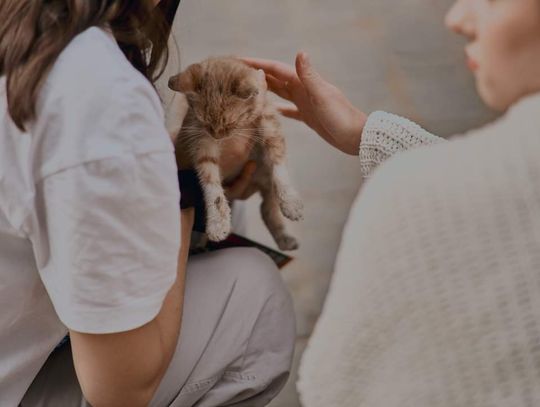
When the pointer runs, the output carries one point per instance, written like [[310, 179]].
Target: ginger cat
[[228, 110]]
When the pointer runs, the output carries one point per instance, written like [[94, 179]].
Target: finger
[[238, 184], [278, 70], [238, 189], [310, 78], [278, 87], [248, 192], [290, 111], [241, 183]]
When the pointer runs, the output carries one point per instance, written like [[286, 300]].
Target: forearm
[[169, 319], [126, 368], [385, 134]]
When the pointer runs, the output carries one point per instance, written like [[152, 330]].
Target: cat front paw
[[286, 242], [218, 220], [218, 229], [292, 206]]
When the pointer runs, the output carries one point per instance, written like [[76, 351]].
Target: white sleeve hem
[[114, 320], [386, 134]]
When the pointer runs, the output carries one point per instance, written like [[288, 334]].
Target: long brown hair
[[33, 33]]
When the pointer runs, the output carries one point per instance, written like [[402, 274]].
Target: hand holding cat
[[230, 122], [242, 188], [318, 103]]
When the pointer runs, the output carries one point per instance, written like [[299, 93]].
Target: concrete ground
[[391, 55]]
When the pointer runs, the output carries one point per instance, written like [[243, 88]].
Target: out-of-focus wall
[[392, 55]]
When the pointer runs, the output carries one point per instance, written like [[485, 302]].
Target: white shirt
[[89, 209]]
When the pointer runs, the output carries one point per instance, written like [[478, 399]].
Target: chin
[[493, 98]]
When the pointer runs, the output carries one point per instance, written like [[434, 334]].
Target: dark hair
[[34, 33]]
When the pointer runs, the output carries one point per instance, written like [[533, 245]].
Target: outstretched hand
[[316, 102]]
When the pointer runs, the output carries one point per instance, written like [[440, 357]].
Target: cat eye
[[248, 94]]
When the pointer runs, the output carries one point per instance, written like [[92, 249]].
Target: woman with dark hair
[[92, 239]]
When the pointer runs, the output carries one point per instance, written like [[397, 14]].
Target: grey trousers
[[236, 342]]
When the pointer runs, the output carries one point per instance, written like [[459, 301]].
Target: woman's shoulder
[[92, 56], [93, 64], [95, 105], [512, 142]]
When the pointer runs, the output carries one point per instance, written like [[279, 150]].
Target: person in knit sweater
[[435, 300]]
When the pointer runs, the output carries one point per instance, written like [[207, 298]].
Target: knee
[[252, 343], [257, 275], [269, 351], [250, 276], [256, 272]]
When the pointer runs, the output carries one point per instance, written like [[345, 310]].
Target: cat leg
[[273, 151], [270, 212], [289, 200], [218, 211]]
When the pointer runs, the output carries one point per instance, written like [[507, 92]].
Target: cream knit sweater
[[435, 300]]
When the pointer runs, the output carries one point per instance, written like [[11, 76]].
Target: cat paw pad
[[286, 242], [218, 231], [218, 223], [292, 207]]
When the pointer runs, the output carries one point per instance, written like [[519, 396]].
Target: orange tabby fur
[[229, 112]]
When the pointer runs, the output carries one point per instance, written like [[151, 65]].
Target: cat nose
[[221, 134]]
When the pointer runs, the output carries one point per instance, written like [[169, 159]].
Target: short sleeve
[[106, 240], [105, 219], [88, 111]]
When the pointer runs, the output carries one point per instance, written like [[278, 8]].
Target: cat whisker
[[247, 136], [236, 128]]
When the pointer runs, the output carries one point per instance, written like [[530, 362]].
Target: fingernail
[[304, 58]]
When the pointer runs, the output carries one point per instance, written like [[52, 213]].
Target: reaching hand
[[318, 103]]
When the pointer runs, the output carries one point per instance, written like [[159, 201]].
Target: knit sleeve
[[386, 134]]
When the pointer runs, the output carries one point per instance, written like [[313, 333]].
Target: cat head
[[225, 95]]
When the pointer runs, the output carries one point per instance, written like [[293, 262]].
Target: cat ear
[[253, 89], [188, 80]]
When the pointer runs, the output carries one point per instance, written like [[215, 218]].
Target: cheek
[[509, 50], [244, 116], [511, 38], [199, 112]]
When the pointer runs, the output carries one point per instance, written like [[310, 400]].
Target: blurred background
[[390, 55]]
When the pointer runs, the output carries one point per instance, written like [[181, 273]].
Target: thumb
[[240, 184], [249, 169], [311, 79]]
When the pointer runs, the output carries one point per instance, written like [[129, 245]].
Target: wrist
[[187, 217], [358, 122], [192, 196]]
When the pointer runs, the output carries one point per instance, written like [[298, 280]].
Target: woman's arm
[[111, 247], [325, 109], [385, 134], [125, 369], [316, 102]]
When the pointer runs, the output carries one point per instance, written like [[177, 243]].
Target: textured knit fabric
[[435, 300], [386, 134]]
